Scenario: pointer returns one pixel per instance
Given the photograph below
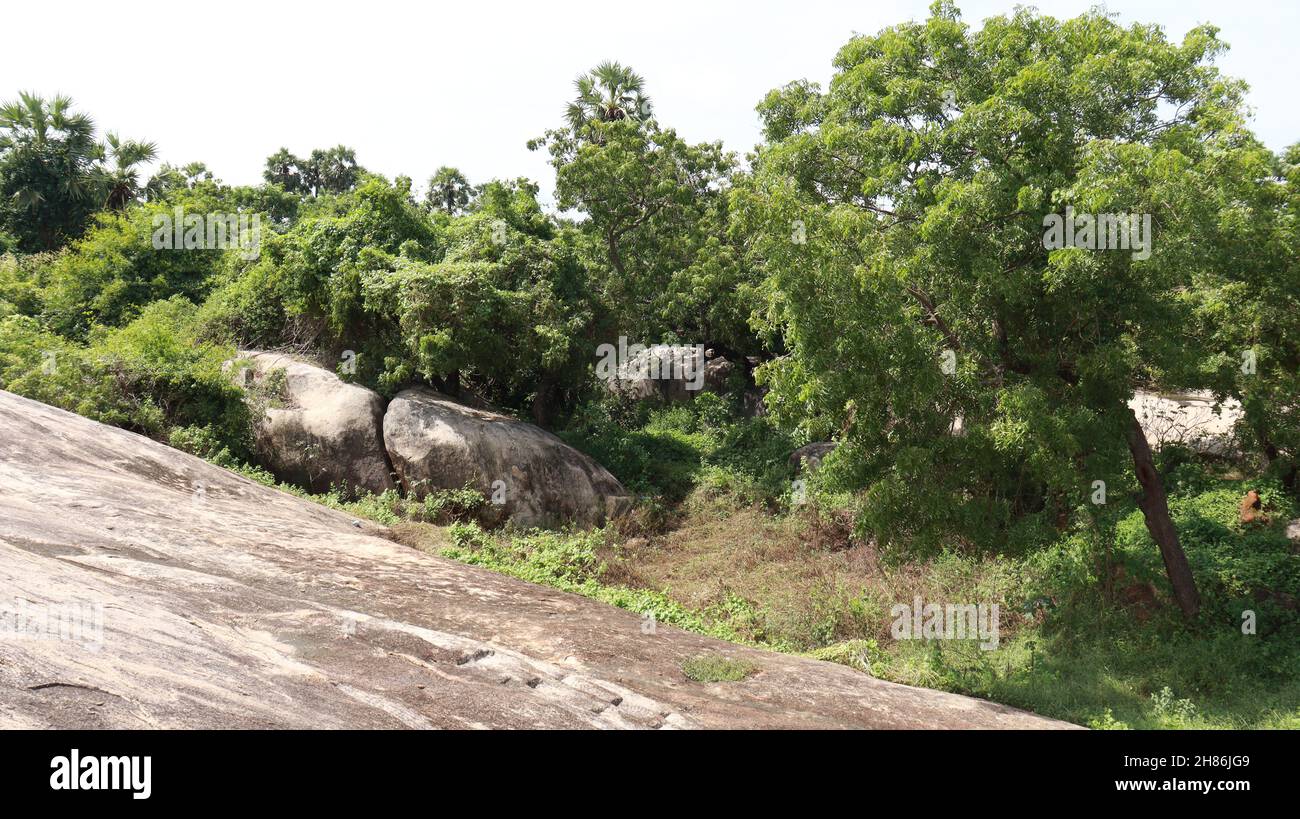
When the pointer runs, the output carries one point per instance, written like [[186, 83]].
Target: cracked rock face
[[141, 587], [535, 478], [315, 430]]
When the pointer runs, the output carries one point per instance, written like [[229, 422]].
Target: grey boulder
[[674, 373], [808, 458], [532, 477], [311, 428]]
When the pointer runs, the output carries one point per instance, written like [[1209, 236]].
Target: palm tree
[[609, 92], [48, 130], [333, 171], [196, 172], [47, 169], [120, 180], [449, 190], [169, 178], [284, 169]]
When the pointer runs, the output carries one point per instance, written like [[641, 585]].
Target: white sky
[[413, 86]]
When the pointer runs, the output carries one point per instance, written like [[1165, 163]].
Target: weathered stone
[[717, 371], [808, 458], [1190, 419], [313, 429], [435, 443], [226, 604], [674, 373]]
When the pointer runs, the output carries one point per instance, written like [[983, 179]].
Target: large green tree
[[1246, 306], [657, 222], [507, 312], [979, 378]]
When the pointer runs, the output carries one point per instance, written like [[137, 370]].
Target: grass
[[715, 668], [797, 583]]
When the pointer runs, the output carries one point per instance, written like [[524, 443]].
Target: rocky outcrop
[[535, 478], [160, 591], [673, 373], [316, 431], [1192, 420], [808, 458], [717, 371], [680, 373], [311, 428]]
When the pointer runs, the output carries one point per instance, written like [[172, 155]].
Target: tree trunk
[[1155, 508], [615, 258], [542, 405]]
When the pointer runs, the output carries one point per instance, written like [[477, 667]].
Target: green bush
[[666, 452], [22, 281], [46, 367], [109, 275], [1237, 566], [150, 376]]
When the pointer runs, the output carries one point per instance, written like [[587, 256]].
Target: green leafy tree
[[657, 237], [1272, 402], [902, 214], [306, 286], [1246, 306], [507, 311], [657, 232]]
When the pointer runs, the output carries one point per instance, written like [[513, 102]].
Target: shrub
[[21, 283], [109, 275], [150, 376]]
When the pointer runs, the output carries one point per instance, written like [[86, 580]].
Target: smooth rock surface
[[436, 443], [228, 604], [322, 432]]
